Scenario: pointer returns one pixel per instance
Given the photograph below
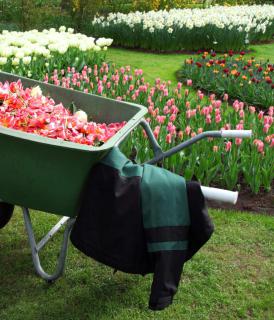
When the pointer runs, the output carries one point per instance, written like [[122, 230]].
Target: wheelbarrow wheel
[[6, 211]]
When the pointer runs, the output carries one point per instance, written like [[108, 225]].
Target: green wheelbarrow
[[49, 175]]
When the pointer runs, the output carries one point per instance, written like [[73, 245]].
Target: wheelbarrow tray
[[48, 174]]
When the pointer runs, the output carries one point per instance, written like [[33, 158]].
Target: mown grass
[[165, 66], [230, 278]]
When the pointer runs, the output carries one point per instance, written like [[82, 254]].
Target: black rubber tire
[[6, 211]]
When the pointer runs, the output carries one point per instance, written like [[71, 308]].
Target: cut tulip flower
[[29, 111]]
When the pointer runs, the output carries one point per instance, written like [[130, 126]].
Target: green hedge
[[39, 14]]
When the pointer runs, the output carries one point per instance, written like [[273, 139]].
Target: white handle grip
[[236, 133], [220, 195]]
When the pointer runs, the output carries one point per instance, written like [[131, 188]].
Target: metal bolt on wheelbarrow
[[49, 175]]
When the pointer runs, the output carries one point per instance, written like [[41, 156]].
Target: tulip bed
[[219, 27], [176, 114], [33, 53], [246, 79]]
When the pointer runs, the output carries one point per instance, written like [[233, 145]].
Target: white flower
[[62, 29], [97, 48], [70, 30], [81, 116], [15, 61], [3, 61], [26, 60], [19, 54], [36, 92], [169, 30]]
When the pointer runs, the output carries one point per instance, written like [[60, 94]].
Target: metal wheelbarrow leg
[[36, 247]]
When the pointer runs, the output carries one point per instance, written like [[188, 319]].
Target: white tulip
[[15, 61], [36, 92], [26, 60], [62, 29], [3, 61], [81, 116]]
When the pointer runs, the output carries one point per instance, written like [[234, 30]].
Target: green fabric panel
[[116, 159], [164, 198], [168, 245]]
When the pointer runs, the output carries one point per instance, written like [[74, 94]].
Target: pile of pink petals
[[29, 111]]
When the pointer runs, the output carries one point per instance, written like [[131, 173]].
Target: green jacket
[[141, 219]]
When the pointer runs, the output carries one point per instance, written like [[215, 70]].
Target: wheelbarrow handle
[[159, 154], [220, 195], [236, 133]]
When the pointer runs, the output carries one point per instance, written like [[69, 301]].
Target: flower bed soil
[[262, 203]]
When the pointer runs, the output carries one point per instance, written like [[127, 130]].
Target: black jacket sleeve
[[168, 265]]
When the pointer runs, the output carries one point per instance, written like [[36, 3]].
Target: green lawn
[[166, 65], [230, 278]]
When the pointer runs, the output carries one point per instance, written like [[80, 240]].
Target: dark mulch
[[260, 203]]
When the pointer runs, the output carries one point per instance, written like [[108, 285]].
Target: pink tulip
[[252, 109], [218, 104], [189, 82], [208, 119], [161, 119], [100, 89], [168, 138], [166, 110], [241, 113], [241, 105], [181, 135], [238, 141], [268, 120], [228, 146], [239, 126], [172, 117], [179, 85], [156, 131], [187, 130], [266, 128], [260, 145], [225, 98], [218, 118], [260, 115], [171, 128], [174, 109], [236, 105]]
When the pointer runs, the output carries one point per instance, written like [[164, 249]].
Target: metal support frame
[[159, 154], [35, 248]]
